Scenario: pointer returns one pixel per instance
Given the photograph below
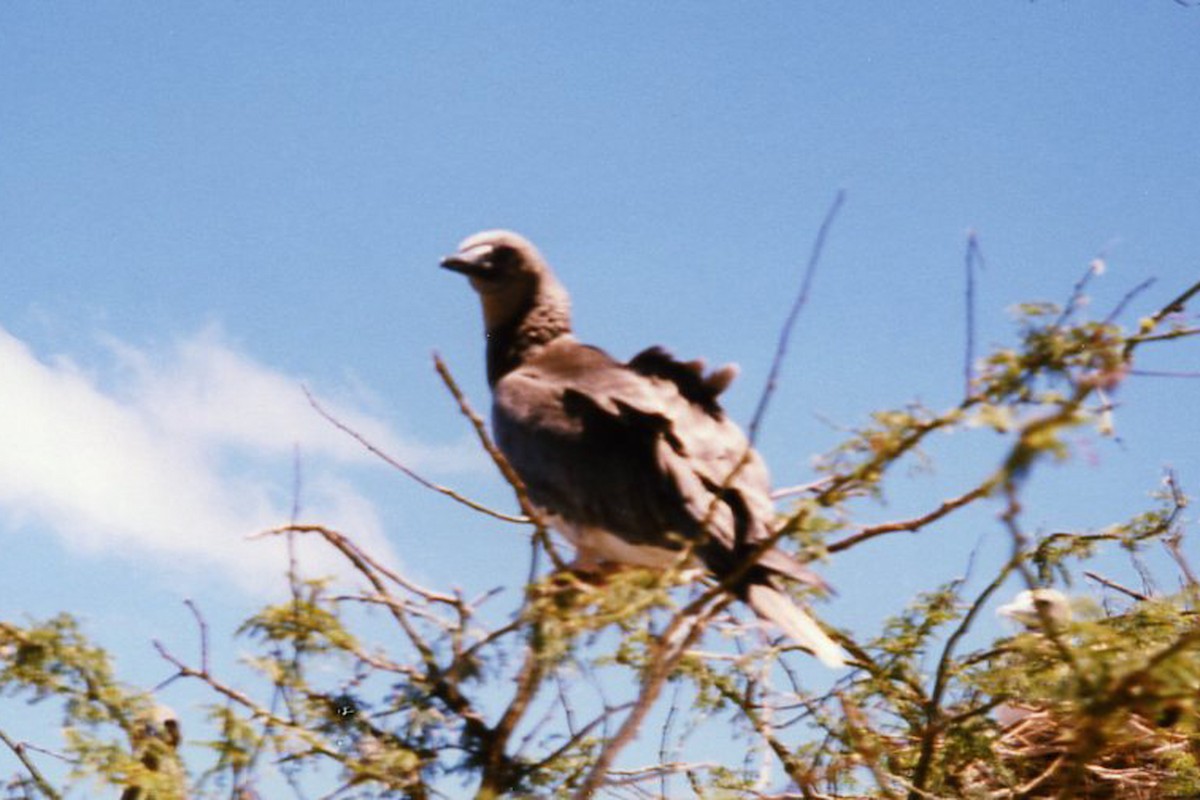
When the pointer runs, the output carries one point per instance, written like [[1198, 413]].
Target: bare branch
[[785, 334], [1176, 305], [392, 461], [1178, 333], [1094, 268], [684, 628], [1150, 373], [915, 524], [18, 749], [532, 514], [1148, 325], [972, 260], [1111, 584], [364, 562], [1174, 545], [803, 488], [496, 764], [1132, 293]]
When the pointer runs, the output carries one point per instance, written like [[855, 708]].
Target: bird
[[1024, 608], [155, 736], [631, 462]]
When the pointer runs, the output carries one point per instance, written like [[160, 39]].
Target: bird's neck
[[547, 317]]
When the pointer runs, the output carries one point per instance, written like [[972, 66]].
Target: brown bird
[[630, 462]]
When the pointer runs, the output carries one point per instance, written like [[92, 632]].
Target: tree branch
[[785, 333], [392, 461]]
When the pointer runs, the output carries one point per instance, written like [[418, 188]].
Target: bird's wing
[[641, 450]]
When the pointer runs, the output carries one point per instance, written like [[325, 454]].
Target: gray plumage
[[630, 461]]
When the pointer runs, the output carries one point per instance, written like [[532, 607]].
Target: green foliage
[[1104, 704], [108, 727]]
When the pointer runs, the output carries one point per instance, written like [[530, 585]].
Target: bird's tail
[[775, 606]]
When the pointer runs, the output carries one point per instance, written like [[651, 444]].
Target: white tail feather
[[773, 605]]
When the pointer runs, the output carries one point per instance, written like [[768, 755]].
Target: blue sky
[[203, 207]]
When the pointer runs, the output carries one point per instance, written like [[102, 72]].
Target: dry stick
[[1076, 294], [359, 557], [1177, 304], [1150, 373], [764, 400], [506, 469], [627, 777], [1174, 545], [497, 764], [973, 257], [1132, 293], [18, 749], [791, 491], [495, 741], [202, 625], [665, 659], [578, 736], [1111, 584], [785, 333], [243, 700], [366, 567], [915, 524], [665, 735], [442, 685], [1150, 324], [428, 484], [1178, 333], [763, 727]]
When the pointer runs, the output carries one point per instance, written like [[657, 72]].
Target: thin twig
[[670, 647], [973, 258], [1176, 305], [1177, 333], [1077, 292], [764, 399], [392, 461], [785, 333], [1111, 584], [1132, 293], [528, 680], [915, 524], [803, 488], [1174, 545], [363, 560], [506, 469], [18, 749], [1150, 373]]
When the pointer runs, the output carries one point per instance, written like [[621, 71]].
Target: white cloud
[[177, 456]]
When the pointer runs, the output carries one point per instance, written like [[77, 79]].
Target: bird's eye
[[504, 259]]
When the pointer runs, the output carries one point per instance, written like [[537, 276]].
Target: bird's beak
[[472, 262]]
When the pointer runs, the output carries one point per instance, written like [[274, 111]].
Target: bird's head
[[508, 272]]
